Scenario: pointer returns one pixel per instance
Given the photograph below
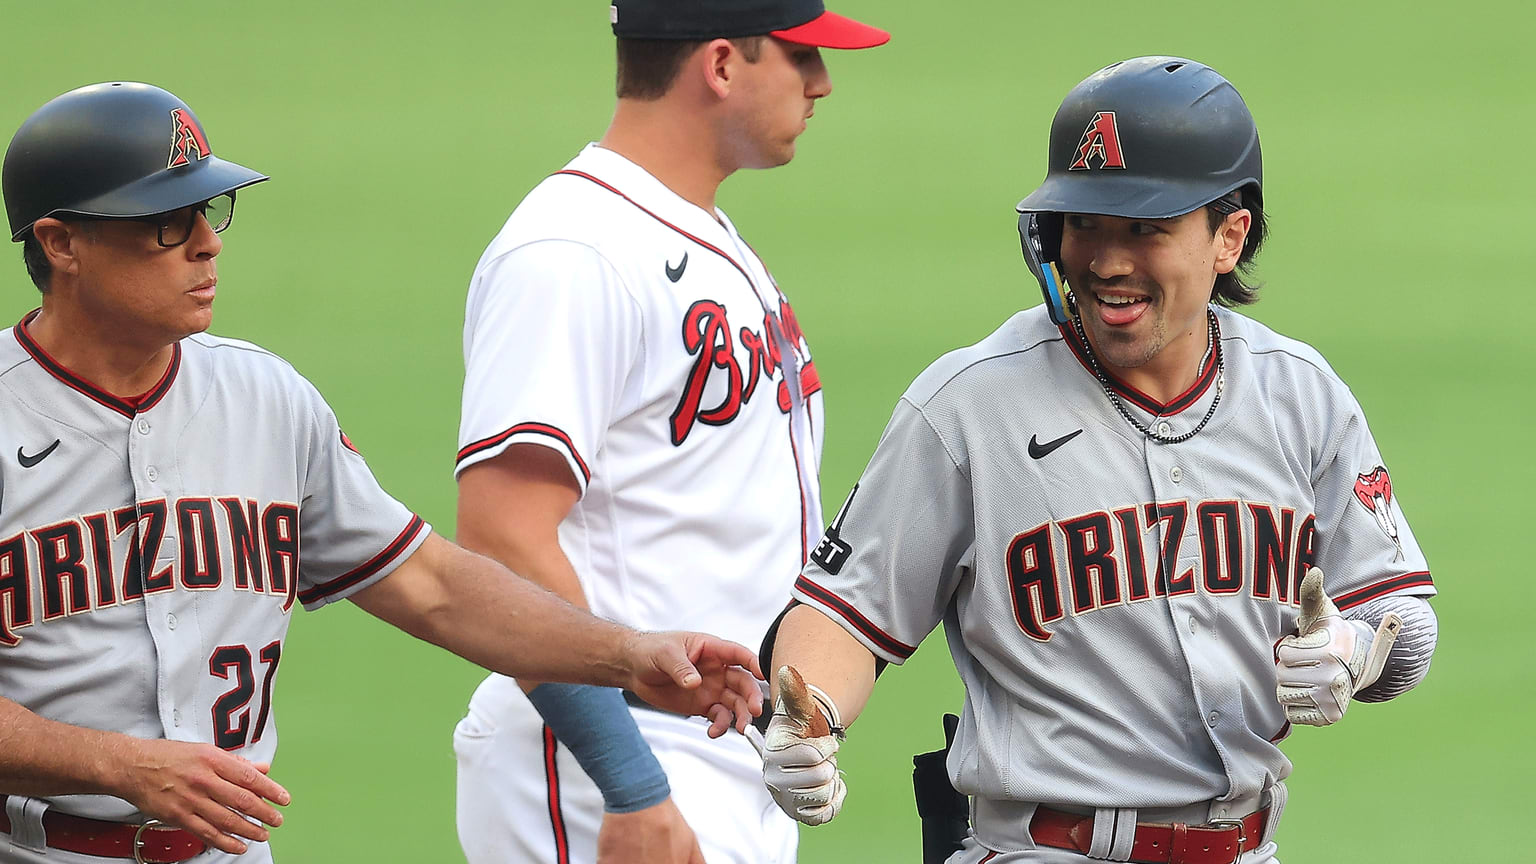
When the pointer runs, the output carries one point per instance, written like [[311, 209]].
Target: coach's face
[[122, 274], [775, 97], [1142, 285]]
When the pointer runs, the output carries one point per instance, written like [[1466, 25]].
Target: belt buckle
[[138, 840], [1242, 834]]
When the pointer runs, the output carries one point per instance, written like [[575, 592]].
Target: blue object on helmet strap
[[595, 724], [1055, 291]]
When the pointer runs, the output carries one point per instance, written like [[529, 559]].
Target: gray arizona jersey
[[150, 549], [1112, 603]]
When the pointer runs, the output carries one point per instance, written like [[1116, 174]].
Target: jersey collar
[[128, 406], [1132, 396]]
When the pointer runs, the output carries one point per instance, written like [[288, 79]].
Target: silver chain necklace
[[1221, 380]]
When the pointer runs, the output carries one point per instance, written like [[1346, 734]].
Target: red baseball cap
[[804, 22], [831, 30]]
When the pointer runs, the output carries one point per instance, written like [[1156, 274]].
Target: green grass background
[[399, 135]]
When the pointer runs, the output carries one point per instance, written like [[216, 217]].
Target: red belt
[[151, 842], [1220, 842]]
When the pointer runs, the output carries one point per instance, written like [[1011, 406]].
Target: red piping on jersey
[[554, 432], [126, 406], [1419, 579], [885, 641], [372, 566], [702, 242], [1203, 381], [552, 783]]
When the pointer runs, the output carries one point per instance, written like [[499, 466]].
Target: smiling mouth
[[1119, 310]]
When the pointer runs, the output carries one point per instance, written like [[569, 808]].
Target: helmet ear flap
[[1040, 237]]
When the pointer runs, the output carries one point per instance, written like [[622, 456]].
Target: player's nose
[[1110, 261], [818, 81], [204, 242]]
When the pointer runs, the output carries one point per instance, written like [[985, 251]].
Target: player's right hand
[[200, 789], [655, 835], [1328, 659], [800, 751]]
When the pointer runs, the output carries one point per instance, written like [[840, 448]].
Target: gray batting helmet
[[1146, 138], [117, 150]]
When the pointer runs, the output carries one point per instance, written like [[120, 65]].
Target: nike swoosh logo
[[676, 274], [1040, 451], [28, 461]]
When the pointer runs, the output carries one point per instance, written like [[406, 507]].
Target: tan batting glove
[[1329, 659], [800, 751]]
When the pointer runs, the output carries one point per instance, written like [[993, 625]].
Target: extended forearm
[[40, 757], [826, 656], [488, 615]]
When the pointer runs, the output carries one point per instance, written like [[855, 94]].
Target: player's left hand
[[694, 673], [1329, 658]]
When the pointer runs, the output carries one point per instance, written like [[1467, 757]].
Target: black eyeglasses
[[175, 227]]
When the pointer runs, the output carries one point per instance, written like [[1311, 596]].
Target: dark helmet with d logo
[[1148, 138], [117, 150]]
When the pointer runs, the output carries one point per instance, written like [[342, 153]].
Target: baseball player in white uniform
[[641, 431], [1120, 505], [173, 496]]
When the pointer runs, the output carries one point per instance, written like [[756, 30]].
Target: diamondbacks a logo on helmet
[[187, 139], [1101, 142], [1375, 492]]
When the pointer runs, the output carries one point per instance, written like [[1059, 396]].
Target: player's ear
[[60, 242], [1229, 239], [719, 60]]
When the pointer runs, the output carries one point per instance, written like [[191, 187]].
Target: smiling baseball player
[[1118, 504], [172, 496]]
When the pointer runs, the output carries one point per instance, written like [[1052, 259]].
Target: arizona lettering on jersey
[[1101, 560], [152, 549], [96, 560], [1071, 557]]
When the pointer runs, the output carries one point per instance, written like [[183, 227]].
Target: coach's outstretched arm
[[833, 675], [489, 615]]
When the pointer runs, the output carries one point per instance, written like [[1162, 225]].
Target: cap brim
[[1107, 194], [831, 30], [169, 190]]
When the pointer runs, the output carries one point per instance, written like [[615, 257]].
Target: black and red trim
[[128, 406], [1203, 381], [554, 432], [882, 640], [1419, 579], [552, 781], [372, 566]]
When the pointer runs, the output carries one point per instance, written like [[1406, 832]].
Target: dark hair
[[647, 67], [1233, 289], [36, 259]]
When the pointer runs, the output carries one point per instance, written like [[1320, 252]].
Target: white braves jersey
[[1112, 603], [640, 337], [152, 550]]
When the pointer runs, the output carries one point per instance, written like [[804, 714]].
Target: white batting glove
[[800, 751], [1329, 659]]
